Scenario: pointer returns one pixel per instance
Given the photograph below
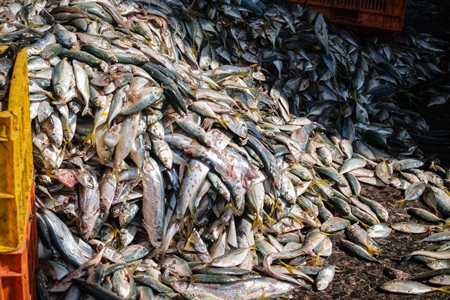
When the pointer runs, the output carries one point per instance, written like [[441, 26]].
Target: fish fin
[[288, 267], [444, 289], [383, 263], [400, 202], [115, 174], [229, 206], [269, 218], [441, 227], [90, 137], [49, 173], [321, 181], [252, 247], [373, 250], [192, 281], [223, 123], [446, 224], [314, 216], [258, 222], [298, 220], [364, 225], [134, 266], [432, 166], [316, 260], [86, 110], [434, 247], [140, 177], [76, 220], [116, 232], [50, 95], [447, 191], [190, 240]]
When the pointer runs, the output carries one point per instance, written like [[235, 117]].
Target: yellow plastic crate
[[16, 160]]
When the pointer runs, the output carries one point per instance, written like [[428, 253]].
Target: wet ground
[[358, 279]]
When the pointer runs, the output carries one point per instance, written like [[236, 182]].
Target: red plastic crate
[[386, 15], [18, 268]]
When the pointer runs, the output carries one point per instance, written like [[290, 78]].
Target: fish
[[324, 277], [410, 287]]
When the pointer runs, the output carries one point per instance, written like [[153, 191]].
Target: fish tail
[[383, 263], [115, 173], [434, 247], [223, 123], [373, 250], [441, 227], [317, 221], [298, 220], [192, 281], [253, 247], [288, 267], [432, 166], [447, 191], [446, 224], [258, 222], [90, 137], [316, 260], [49, 173], [76, 220], [400, 202], [444, 289], [269, 218], [229, 206], [50, 95], [133, 268], [85, 110], [364, 224], [140, 177]]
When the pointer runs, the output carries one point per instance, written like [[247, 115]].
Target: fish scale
[[289, 94]]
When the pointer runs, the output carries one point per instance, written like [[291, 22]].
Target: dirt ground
[[358, 279]]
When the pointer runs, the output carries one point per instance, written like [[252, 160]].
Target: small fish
[[358, 250], [324, 277], [413, 192], [409, 227], [410, 287]]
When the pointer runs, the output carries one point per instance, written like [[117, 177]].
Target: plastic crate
[[16, 160], [385, 15], [18, 268], [18, 232]]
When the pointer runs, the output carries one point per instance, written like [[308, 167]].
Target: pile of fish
[[207, 149]]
